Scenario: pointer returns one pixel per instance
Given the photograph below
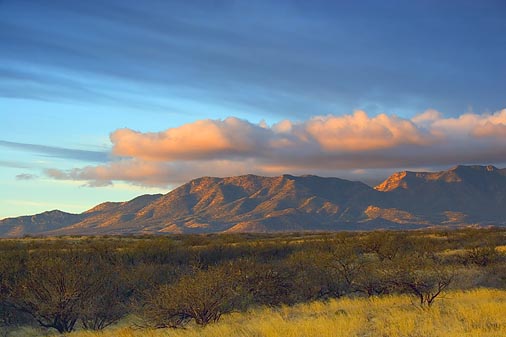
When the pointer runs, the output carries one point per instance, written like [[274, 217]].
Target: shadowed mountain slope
[[39, 223], [475, 193]]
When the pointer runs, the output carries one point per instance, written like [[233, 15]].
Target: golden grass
[[476, 313]]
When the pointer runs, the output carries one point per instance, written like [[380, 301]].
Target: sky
[[107, 100]]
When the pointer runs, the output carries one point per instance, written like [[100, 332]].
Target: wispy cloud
[[322, 145], [320, 52], [13, 164], [26, 176], [58, 152]]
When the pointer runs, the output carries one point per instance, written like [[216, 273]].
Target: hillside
[[461, 195], [38, 223], [244, 203], [469, 193]]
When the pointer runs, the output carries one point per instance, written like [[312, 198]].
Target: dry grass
[[476, 313]]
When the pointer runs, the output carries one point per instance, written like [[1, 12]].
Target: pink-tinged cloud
[[149, 173], [201, 139], [359, 132], [470, 125], [325, 145], [210, 139]]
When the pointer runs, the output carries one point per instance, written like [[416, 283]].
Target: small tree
[[54, 288], [386, 245], [425, 278], [12, 270], [107, 304], [347, 262], [374, 278], [481, 256], [311, 277], [203, 295], [265, 283]]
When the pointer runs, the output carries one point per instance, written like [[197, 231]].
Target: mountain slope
[[461, 195], [39, 223], [474, 193]]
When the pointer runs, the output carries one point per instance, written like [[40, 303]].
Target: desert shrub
[[313, 276], [202, 296], [385, 244], [375, 278], [481, 256], [347, 262], [12, 269], [424, 278], [108, 302], [59, 289], [54, 288], [265, 284]]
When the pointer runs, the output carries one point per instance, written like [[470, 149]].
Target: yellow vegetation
[[476, 313]]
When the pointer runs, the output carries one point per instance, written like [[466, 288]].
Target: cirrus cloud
[[325, 145]]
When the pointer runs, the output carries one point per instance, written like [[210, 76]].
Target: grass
[[475, 313]]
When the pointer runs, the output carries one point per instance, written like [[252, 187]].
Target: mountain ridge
[[461, 195]]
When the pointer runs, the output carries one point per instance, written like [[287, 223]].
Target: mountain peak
[[461, 173], [475, 168], [396, 180]]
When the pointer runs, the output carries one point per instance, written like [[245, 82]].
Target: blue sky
[[74, 72]]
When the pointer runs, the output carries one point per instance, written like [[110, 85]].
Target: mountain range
[[463, 195]]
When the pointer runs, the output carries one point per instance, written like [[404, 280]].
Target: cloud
[[58, 152], [480, 125], [237, 138], [284, 57], [203, 139], [359, 132], [326, 145], [26, 176], [13, 164], [147, 173]]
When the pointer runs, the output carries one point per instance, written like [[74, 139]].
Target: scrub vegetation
[[381, 283]]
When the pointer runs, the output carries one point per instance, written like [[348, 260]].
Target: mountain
[[473, 194], [244, 203], [461, 195], [39, 223]]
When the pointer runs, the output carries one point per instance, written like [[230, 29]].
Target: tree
[[54, 289], [386, 245], [313, 276], [423, 277], [12, 265], [203, 295], [481, 256], [374, 278], [108, 302], [265, 283], [347, 263]]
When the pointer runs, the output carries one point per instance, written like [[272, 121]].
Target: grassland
[[475, 313], [370, 284]]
